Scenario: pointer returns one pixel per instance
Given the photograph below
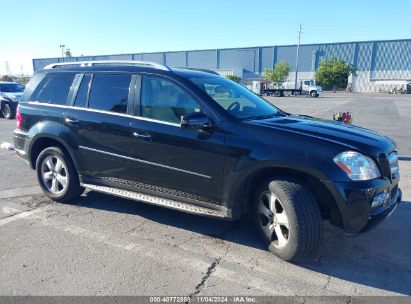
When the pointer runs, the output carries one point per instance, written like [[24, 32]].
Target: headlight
[[357, 166]]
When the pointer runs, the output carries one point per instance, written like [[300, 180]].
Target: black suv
[[193, 141]]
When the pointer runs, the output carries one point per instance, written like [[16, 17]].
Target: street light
[[62, 46]]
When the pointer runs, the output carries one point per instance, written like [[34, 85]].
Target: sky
[[36, 29]]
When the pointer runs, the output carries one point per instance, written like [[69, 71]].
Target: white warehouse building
[[381, 65]]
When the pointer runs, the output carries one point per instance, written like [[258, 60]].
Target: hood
[[14, 96], [350, 136]]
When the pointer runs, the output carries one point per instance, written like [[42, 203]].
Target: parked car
[[10, 94], [200, 143]]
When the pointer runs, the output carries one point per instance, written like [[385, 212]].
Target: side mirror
[[195, 121]]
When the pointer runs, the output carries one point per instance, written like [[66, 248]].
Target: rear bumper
[[355, 199], [21, 144]]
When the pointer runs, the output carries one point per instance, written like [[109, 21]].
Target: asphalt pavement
[[102, 245]]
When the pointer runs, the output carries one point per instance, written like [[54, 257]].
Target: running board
[[164, 202]]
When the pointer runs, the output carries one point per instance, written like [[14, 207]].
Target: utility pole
[[7, 68], [297, 56], [62, 46]]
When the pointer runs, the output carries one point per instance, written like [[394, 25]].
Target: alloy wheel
[[273, 219], [54, 174]]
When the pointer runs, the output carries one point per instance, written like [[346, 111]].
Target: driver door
[[166, 156]]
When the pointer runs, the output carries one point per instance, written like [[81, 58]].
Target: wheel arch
[[241, 200], [40, 143]]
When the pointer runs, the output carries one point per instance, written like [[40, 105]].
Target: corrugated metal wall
[[375, 60]]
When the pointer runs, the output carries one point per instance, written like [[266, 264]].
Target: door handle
[[144, 136], [71, 121]]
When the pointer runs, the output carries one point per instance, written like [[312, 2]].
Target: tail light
[[19, 119]]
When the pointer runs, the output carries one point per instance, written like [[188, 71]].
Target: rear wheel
[[277, 93], [57, 175], [288, 218], [7, 111]]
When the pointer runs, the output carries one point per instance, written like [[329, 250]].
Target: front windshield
[[236, 99], [11, 87]]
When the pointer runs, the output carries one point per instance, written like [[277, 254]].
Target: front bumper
[[380, 216], [354, 200]]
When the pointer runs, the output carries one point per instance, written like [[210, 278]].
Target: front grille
[[393, 162]]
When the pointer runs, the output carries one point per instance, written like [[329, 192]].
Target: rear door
[[100, 121]]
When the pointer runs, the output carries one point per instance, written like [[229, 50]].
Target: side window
[[110, 93], [82, 94], [53, 89], [163, 100]]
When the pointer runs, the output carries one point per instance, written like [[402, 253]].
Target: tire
[[297, 218], [57, 175], [7, 111], [277, 93], [313, 94]]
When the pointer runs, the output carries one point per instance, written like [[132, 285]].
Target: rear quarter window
[[53, 89]]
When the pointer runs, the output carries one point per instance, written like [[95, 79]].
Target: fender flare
[[54, 131], [233, 194]]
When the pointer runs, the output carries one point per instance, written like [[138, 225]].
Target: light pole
[[62, 46], [297, 55]]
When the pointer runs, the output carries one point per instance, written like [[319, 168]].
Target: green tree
[[68, 53], [279, 74], [24, 79], [234, 78], [333, 73], [7, 78]]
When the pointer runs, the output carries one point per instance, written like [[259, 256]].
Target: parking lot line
[[15, 192], [20, 216]]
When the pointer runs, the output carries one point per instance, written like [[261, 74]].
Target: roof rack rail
[[202, 70], [150, 64]]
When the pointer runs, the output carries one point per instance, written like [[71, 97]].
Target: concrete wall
[[381, 64]]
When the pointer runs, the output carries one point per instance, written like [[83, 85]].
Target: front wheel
[[57, 175], [314, 94], [288, 218]]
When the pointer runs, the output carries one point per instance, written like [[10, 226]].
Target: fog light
[[380, 199]]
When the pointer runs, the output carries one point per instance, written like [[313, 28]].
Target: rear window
[[53, 89], [110, 93]]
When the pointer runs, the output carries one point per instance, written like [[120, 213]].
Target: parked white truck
[[307, 87]]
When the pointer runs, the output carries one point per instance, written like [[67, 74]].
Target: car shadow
[[380, 258], [208, 226]]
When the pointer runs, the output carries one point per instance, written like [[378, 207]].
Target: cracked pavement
[[103, 245]]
